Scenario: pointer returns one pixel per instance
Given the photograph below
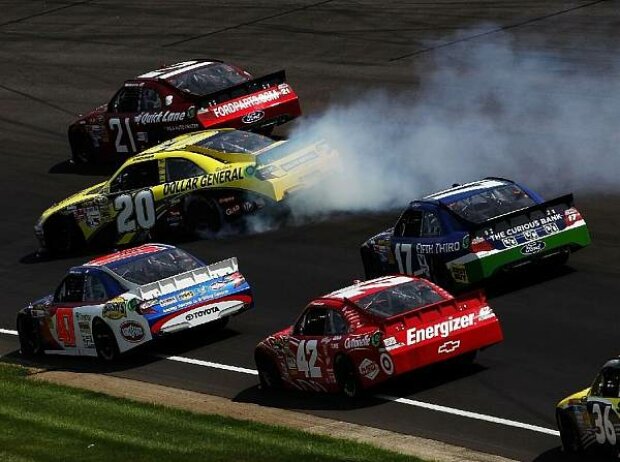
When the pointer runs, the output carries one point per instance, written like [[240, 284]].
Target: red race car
[[362, 335], [181, 98]]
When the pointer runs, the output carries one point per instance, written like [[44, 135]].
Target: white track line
[[409, 402], [198, 362], [470, 415]]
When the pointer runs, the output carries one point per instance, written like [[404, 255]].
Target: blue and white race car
[[117, 302], [473, 231]]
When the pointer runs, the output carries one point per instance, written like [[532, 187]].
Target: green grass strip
[[45, 422]]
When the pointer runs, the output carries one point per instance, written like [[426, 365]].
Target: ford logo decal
[[532, 247], [253, 117]]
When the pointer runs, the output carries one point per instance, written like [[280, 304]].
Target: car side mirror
[[168, 100]]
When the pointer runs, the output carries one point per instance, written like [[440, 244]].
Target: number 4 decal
[[134, 212], [64, 326], [303, 363]]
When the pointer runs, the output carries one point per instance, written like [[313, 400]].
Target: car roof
[[356, 291], [171, 70], [126, 254], [466, 190]]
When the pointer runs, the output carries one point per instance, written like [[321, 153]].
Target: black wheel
[[203, 216], [371, 268], [268, 373], [440, 274], [29, 338], [346, 377], [569, 434], [62, 235], [81, 148], [105, 342]]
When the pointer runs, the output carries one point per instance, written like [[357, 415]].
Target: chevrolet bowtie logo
[[449, 346]]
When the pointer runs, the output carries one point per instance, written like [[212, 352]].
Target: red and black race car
[[362, 335], [183, 97]]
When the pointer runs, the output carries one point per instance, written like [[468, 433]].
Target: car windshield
[[154, 267], [401, 298], [208, 79], [236, 141], [491, 203]]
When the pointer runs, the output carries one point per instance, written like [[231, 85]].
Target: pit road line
[[394, 399]]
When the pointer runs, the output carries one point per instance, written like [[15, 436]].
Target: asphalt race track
[[60, 58]]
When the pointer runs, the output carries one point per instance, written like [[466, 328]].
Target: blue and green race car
[[473, 231]]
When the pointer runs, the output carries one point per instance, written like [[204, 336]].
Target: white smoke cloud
[[485, 110]]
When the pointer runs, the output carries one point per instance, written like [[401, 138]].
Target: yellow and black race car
[[590, 418], [196, 183]]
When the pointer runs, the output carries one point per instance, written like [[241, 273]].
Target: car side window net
[[431, 225], [337, 324], [127, 100], [315, 322], [94, 290], [409, 224], [179, 169], [71, 290], [607, 384], [150, 100], [136, 176]]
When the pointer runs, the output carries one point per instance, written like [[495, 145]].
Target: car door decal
[[307, 354], [136, 211], [116, 126], [64, 326]]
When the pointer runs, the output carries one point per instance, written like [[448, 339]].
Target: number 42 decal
[[305, 364], [136, 211]]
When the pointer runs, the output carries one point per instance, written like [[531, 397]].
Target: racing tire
[[440, 275], [29, 338], [62, 235], [105, 342], [268, 373], [371, 268], [81, 151], [346, 377], [203, 216], [569, 435]]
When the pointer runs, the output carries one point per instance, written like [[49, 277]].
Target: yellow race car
[[195, 183], [590, 418]]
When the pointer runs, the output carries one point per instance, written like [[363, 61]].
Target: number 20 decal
[[136, 211], [305, 364]]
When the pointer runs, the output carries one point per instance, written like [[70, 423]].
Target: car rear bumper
[[472, 267]]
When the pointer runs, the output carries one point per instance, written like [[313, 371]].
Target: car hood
[[86, 194], [572, 399]]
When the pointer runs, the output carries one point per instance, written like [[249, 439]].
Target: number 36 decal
[[134, 212]]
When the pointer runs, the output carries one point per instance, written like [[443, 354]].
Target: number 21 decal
[[117, 126], [134, 212]]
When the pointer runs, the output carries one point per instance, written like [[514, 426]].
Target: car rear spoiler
[[567, 200], [476, 296], [187, 279], [243, 89]]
